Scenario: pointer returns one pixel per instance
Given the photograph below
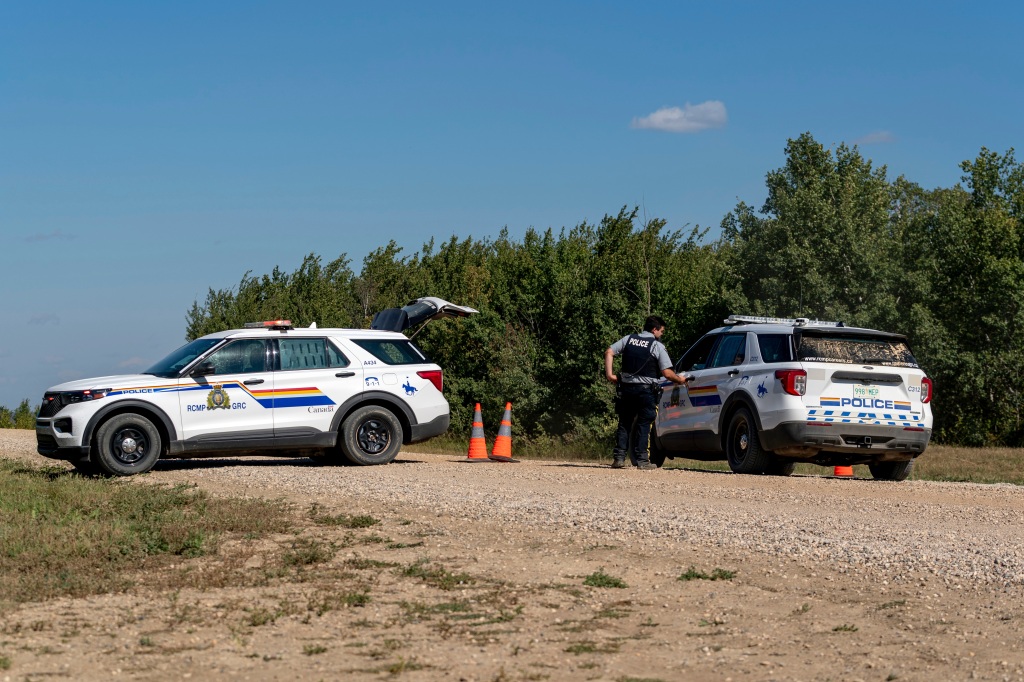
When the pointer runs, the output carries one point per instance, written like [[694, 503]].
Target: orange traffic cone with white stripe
[[477, 444], [843, 472], [502, 451]]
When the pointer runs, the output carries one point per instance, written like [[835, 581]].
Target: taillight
[[794, 381], [926, 390], [434, 376]]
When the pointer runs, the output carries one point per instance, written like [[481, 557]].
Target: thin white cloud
[[55, 235], [877, 137], [44, 318], [132, 362], [691, 118]]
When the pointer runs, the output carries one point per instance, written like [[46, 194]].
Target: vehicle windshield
[[171, 365], [859, 350]]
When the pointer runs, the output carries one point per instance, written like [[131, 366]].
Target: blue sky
[[149, 151]]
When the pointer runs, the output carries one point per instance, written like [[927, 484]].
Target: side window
[[697, 357], [302, 353], [336, 357], [731, 351], [240, 357], [775, 347], [392, 352]]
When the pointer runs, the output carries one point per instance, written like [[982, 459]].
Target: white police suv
[[271, 388], [766, 393]]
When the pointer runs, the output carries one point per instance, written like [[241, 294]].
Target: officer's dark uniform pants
[[637, 402]]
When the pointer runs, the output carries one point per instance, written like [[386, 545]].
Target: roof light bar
[[269, 324], [794, 322]]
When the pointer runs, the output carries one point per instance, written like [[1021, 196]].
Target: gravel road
[[966, 535]]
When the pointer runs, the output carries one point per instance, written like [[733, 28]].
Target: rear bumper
[[434, 427], [872, 441]]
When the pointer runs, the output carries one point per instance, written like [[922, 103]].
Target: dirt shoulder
[[480, 572]]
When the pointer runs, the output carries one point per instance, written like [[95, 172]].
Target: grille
[[45, 443], [52, 404]]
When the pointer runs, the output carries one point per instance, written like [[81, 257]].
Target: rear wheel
[[891, 471], [371, 435], [126, 444], [743, 447]]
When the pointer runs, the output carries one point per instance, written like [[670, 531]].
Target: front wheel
[[126, 444], [743, 447], [891, 471], [371, 435]]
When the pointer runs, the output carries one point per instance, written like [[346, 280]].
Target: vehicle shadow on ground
[[225, 462]]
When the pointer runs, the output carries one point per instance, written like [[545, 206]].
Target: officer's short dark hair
[[653, 322]]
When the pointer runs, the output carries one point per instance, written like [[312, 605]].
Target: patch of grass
[[804, 608], [146, 641], [402, 665], [601, 579], [306, 551], [420, 609], [436, 577], [588, 647], [262, 616], [313, 649], [404, 545], [332, 601], [5, 663], [90, 533], [362, 564], [845, 628], [318, 516], [638, 679], [717, 574], [892, 604]]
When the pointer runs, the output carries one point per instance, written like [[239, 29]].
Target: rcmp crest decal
[[218, 398]]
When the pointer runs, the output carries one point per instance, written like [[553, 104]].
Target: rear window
[[859, 350], [393, 352], [775, 347]]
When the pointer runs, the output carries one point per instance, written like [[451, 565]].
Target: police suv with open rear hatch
[[354, 394], [766, 393]]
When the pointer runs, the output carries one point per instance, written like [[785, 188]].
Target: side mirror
[[203, 369]]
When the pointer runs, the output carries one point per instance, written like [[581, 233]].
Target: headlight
[[69, 397]]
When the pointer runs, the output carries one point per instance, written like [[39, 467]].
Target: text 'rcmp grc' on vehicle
[[766, 393], [349, 394]]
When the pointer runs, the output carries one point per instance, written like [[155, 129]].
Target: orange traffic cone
[[502, 451], [477, 444], [843, 472]]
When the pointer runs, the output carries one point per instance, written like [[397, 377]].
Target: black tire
[[891, 471], [781, 467], [371, 435], [657, 457], [126, 444], [743, 447]]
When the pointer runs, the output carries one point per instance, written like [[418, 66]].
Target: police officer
[[638, 388]]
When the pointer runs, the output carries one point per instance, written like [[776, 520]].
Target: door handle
[[733, 372], [345, 374], [252, 382]]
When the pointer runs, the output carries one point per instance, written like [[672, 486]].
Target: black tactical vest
[[638, 359]]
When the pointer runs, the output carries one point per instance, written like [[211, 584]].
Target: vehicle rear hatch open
[[417, 312]]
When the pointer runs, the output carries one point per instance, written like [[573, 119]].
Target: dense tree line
[[835, 239], [21, 417]]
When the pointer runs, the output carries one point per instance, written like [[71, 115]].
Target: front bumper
[[862, 441], [54, 443]]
